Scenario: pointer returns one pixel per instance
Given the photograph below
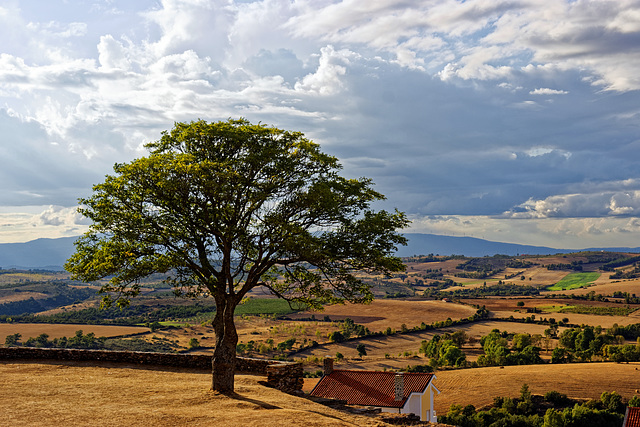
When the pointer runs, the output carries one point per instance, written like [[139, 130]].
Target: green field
[[574, 281], [272, 306], [555, 308]]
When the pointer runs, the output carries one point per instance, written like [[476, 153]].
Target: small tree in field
[[225, 207], [361, 349]]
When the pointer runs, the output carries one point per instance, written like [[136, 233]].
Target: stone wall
[[285, 376]]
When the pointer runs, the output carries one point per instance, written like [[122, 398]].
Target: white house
[[403, 393]]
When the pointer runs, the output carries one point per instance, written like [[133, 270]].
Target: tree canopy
[[228, 206]]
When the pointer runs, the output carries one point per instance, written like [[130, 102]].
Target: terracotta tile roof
[[632, 418], [369, 388]]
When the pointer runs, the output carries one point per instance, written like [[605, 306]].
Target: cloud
[[24, 223], [620, 203], [112, 54], [58, 215], [327, 79], [514, 111], [547, 91], [560, 233]]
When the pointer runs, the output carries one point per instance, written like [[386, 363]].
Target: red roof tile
[[632, 418], [369, 388]]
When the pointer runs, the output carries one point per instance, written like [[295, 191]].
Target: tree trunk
[[224, 355]]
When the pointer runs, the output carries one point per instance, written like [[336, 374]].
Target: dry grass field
[[82, 394], [395, 346], [479, 386], [578, 380], [77, 394], [393, 313], [507, 306], [58, 331], [21, 296], [72, 394]]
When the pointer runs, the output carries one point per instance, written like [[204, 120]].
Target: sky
[[512, 121]]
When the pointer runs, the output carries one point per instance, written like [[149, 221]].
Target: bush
[[12, 340], [556, 398], [362, 351], [336, 337]]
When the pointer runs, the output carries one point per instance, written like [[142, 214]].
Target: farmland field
[[574, 281], [388, 352], [58, 331], [577, 380], [383, 313], [521, 291]]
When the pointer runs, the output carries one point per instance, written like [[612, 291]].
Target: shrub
[[12, 340], [556, 398], [194, 344], [362, 351]]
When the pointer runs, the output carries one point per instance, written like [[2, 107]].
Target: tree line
[[554, 409]]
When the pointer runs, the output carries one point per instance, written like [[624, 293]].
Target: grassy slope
[[117, 395]]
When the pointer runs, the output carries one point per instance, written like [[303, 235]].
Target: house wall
[[423, 405], [413, 404]]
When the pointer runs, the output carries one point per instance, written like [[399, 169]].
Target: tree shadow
[[261, 404]]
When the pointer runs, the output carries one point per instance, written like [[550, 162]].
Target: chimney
[[399, 386], [328, 365]]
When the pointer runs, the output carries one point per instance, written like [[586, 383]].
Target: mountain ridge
[[51, 254], [423, 244]]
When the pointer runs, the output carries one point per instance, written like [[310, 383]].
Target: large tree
[[225, 207]]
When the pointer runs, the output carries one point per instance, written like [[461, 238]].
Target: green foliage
[[419, 368], [132, 315], [154, 326], [444, 351], [498, 353], [500, 289], [530, 411], [620, 262], [286, 345], [336, 336], [598, 311], [583, 343], [230, 206], [59, 294], [556, 398], [349, 328], [12, 340], [194, 343], [90, 341], [612, 401], [362, 351], [210, 191]]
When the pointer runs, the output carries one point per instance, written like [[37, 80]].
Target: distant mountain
[[47, 254], [424, 244], [51, 254]]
